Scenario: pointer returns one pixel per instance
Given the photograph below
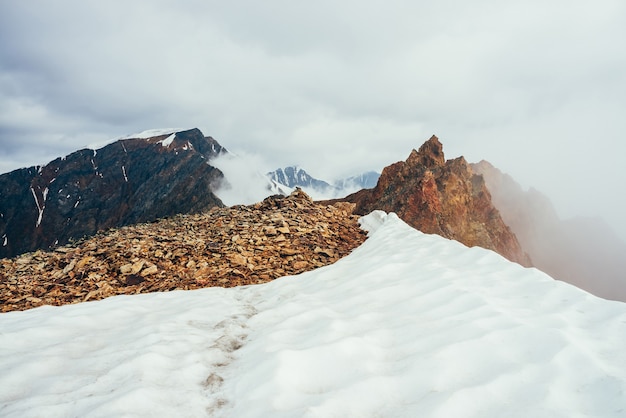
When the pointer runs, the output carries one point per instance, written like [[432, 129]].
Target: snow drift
[[407, 325]]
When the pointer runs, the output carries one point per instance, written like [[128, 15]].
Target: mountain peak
[[430, 154], [294, 176]]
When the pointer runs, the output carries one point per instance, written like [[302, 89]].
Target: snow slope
[[151, 133], [408, 325]]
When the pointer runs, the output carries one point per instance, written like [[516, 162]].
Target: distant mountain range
[[289, 178]]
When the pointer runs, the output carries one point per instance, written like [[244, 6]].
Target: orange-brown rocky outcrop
[[441, 197], [225, 247]]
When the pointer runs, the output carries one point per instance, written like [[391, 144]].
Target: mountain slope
[[441, 197], [582, 251], [408, 325], [129, 181]]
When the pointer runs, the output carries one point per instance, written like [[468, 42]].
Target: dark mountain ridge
[[129, 181]]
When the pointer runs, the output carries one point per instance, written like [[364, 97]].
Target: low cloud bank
[[585, 252], [244, 182]]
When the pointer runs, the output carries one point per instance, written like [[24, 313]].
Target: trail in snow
[[130, 356]]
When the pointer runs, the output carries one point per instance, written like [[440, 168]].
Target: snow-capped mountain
[[365, 180], [295, 176], [138, 178], [291, 177], [408, 325]]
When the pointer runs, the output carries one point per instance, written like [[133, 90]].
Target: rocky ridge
[[225, 247], [441, 197]]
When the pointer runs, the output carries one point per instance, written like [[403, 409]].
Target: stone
[[132, 268], [238, 260], [288, 251], [150, 270], [299, 265], [69, 267], [133, 279], [83, 262]]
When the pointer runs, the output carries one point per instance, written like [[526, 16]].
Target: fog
[[244, 182], [581, 251]]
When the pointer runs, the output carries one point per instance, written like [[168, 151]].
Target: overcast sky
[[538, 88]]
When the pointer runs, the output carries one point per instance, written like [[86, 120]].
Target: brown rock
[[300, 265], [283, 229], [83, 262], [238, 260], [69, 267], [133, 279], [132, 268], [327, 252], [270, 231], [288, 251], [150, 270]]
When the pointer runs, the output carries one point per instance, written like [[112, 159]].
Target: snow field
[[130, 356], [435, 330], [408, 325]]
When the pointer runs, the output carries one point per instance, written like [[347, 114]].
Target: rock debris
[[239, 245]]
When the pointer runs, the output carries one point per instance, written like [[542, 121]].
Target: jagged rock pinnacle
[[430, 154]]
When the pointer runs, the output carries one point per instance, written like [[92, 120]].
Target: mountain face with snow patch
[[132, 180]]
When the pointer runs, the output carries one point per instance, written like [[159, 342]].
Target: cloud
[[536, 87], [245, 182]]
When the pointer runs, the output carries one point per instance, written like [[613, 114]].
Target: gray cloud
[[538, 88]]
